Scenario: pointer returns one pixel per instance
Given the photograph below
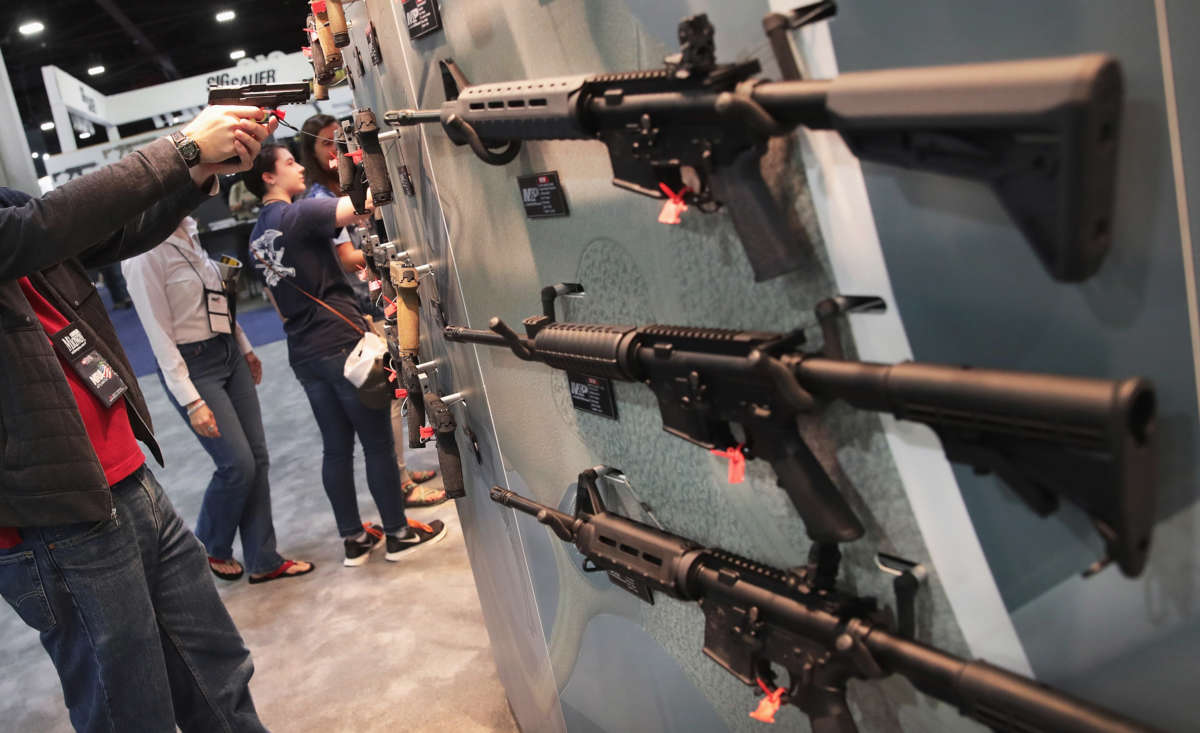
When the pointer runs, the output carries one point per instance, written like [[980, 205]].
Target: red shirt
[[107, 427]]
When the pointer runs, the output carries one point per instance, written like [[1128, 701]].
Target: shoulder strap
[[312, 297]]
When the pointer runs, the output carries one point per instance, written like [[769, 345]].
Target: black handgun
[[1043, 133], [1089, 441], [266, 96], [756, 616]]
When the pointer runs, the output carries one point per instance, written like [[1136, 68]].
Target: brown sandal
[[422, 496]]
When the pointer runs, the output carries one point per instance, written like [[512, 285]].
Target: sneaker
[[416, 536], [358, 549]]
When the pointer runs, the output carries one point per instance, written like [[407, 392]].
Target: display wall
[[960, 285]]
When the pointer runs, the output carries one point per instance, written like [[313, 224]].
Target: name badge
[[217, 305], [95, 371]]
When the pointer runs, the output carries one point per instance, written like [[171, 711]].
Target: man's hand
[[203, 421], [255, 367], [225, 132]]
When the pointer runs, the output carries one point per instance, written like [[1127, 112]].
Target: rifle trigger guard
[[491, 157], [739, 105]]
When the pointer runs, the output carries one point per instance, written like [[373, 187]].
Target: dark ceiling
[[139, 42]]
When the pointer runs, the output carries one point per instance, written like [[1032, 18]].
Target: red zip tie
[[769, 705], [737, 462], [355, 155], [674, 205]]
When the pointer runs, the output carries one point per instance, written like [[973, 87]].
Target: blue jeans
[[340, 415], [238, 496], [127, 610]]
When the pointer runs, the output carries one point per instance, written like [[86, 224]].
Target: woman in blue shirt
[[290, 246], [318, 155]]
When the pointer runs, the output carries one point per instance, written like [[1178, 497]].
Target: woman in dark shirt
[[291, 248]]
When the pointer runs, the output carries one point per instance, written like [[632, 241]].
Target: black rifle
[[1088, 441], [443, 426], [756, 615], [1043, 133], [366, 130], [352, 179]]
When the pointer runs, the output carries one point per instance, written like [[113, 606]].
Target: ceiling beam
[[163, 60]]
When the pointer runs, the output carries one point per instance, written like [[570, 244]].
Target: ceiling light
[[35, 156], [47, 126], [238, 54], [225, 16], [84, 135], [31, 28], [95, 70]]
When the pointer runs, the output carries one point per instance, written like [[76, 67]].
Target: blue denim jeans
[[127, 610], [340, 415], [238, 496]]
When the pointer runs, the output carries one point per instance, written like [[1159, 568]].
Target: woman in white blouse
[[210, 371]]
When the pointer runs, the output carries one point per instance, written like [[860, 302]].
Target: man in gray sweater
[[92, 555]]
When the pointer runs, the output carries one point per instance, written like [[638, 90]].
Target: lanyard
[[189, 262], [216, 302]]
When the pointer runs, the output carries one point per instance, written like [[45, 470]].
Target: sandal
[[421, 476], [284, 571], [420, 496], [213, 562]]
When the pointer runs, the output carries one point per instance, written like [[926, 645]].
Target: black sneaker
[[358, 549], [416, 536]]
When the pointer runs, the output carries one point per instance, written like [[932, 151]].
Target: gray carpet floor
[[385, 646]]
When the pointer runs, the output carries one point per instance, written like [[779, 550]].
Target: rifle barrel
[[473, 336], [406, 117]]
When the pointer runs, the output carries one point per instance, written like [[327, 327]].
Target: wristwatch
[[187, 147]]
